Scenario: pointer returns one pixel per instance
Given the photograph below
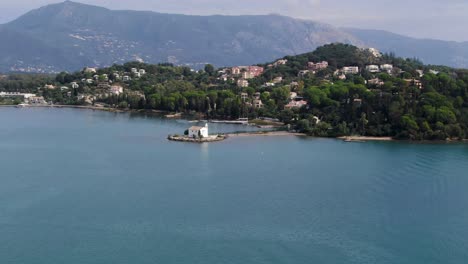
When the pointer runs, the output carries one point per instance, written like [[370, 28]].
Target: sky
[[435, 19]]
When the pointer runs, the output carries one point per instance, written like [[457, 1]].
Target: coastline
[[90, 107], [357, 139], [286, 133], [365, 139], [216, 138], [266, 134]]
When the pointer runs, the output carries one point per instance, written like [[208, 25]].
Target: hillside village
[[336, 90]]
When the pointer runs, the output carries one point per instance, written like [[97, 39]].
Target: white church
[[198, 132]]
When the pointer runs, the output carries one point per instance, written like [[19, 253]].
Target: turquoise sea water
[[90, 187]]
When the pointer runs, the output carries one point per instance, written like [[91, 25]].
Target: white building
[[247, 75], [242, 83], [134, 70], [198, 132], [372, 68], [376, 82], [142, 71], [36, 100], [116, 89], [278, 79], [280, 62], [296, 104], [317, 66], [235, 70], [16, 94], [75, 85], [386, 67], [350, 70], [89, 70], [258, 103], [303, 73]]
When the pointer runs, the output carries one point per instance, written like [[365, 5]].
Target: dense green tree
[[435, 108], [210, 69]]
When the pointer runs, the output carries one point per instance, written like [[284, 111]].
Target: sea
[[92, 187]]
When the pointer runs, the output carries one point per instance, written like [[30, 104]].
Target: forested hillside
[[356, 92]]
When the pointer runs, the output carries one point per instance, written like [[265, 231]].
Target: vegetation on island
[[410, 101]]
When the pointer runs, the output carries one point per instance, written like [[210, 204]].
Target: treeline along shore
[[336, 91]]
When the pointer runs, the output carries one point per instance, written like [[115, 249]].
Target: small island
[[197, 134]]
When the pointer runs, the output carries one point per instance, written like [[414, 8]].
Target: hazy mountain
[[69, 36], [89, 35], [430, 51]]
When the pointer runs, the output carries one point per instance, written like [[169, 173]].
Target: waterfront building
[[198, 132]]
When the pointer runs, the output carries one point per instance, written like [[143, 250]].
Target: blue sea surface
[[91, 187]]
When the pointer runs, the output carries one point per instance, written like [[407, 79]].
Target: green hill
[[400, 98], [94, 36]]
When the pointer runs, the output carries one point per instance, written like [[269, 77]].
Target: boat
[[240, 121], [176, 115], [355, 140], [22, 105]]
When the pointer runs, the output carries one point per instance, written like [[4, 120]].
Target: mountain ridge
[[79, 35]]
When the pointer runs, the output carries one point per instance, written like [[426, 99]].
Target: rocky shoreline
[[178, 138]]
